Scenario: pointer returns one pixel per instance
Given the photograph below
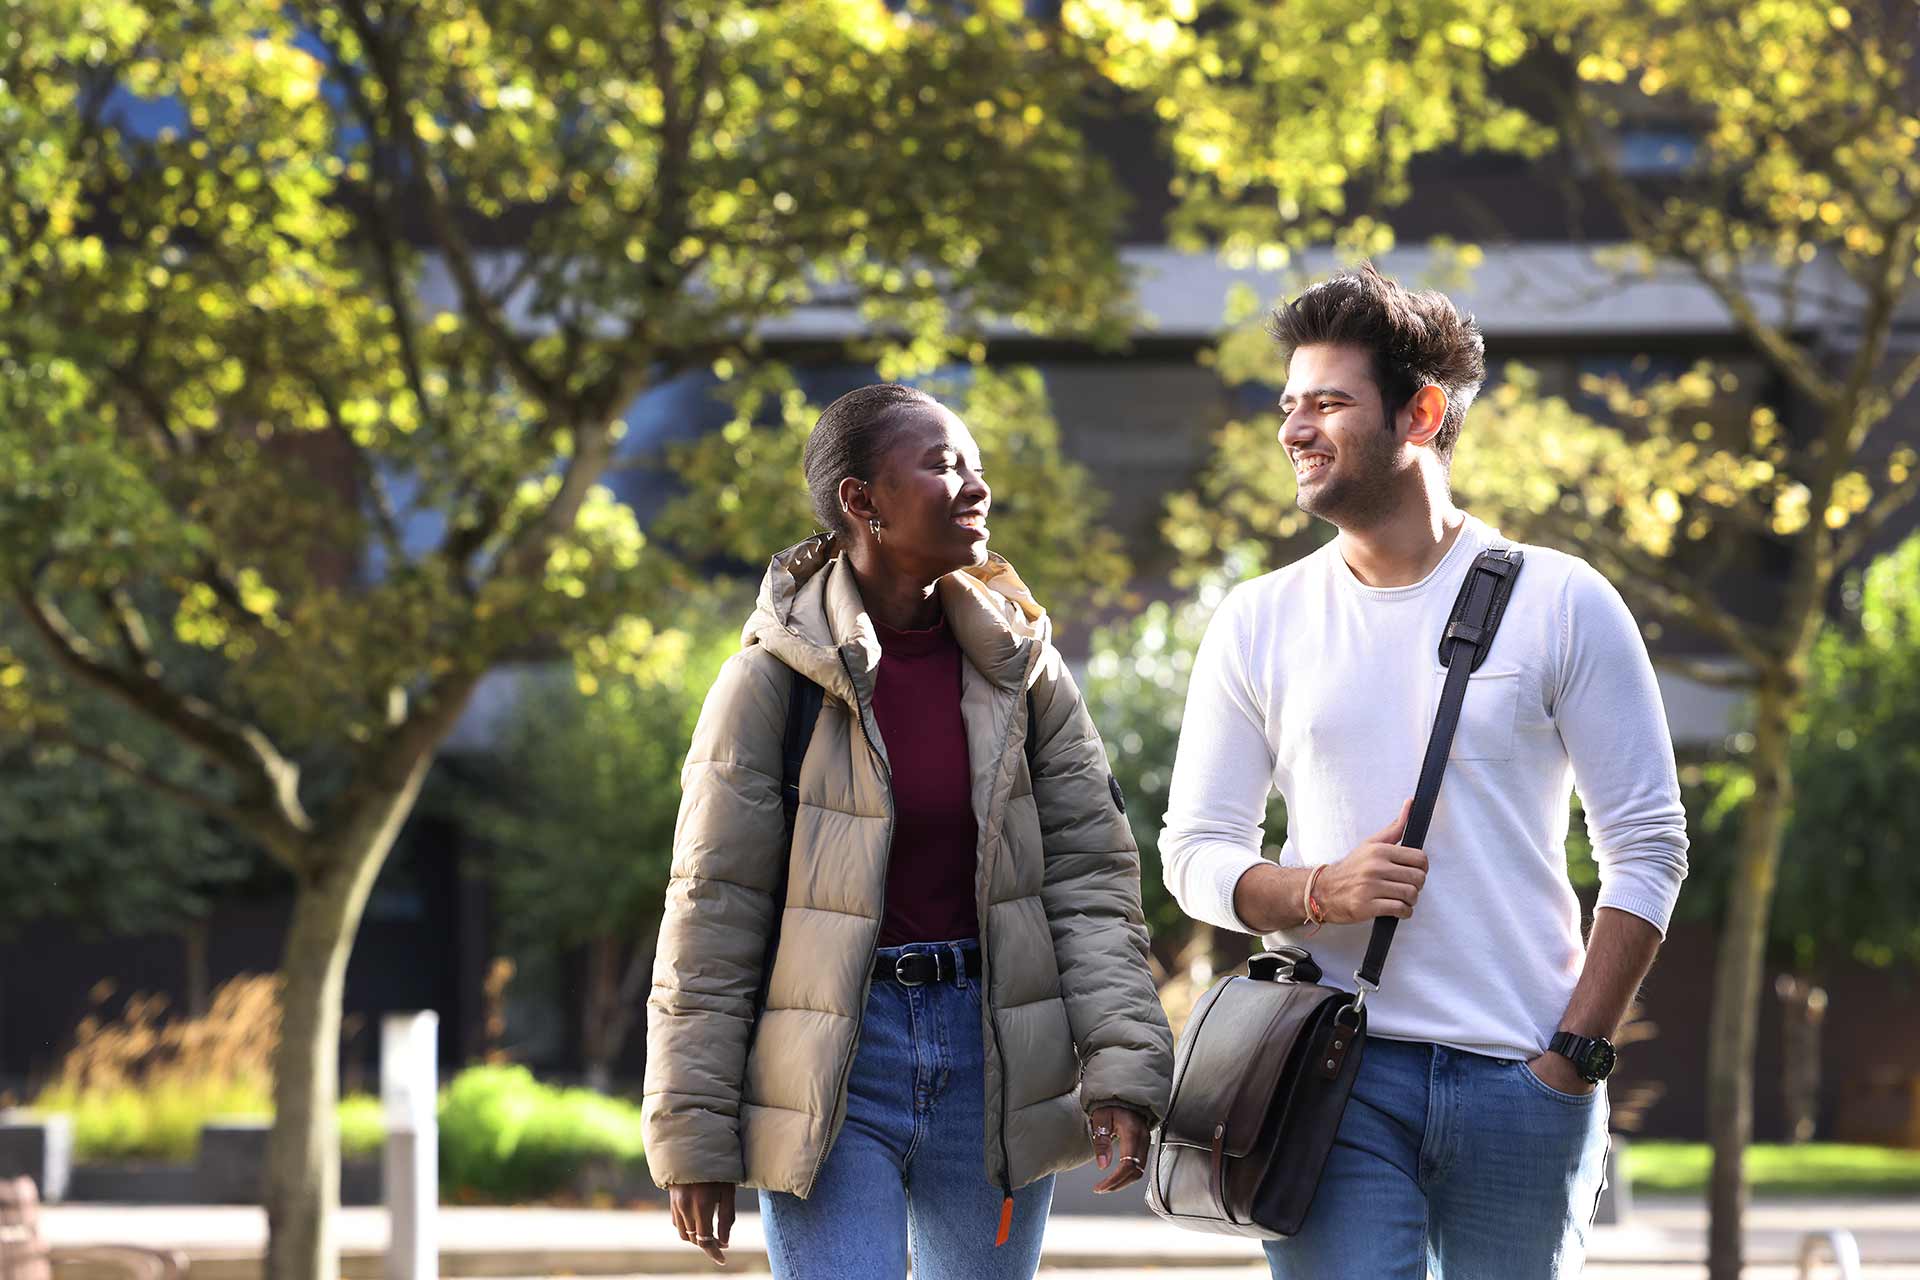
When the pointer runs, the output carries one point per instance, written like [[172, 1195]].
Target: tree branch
[[592, 451], [129, 765], [1849, 548], [1851, 420], [212, 573], [386, 519], [267, 776], [1647, 227], [132, 630], [1904, 382], [382, 232], [1673, 594], [474, 297], [1707, 673], [391, 773], [682, 113]]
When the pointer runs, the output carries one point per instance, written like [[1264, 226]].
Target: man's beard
[[1362, 494]]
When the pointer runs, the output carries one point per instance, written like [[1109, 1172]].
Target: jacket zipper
[[886, 866], [986, 995]]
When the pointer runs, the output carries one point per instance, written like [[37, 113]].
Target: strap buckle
[[905, 969], [1501, 562], [1360, 996]]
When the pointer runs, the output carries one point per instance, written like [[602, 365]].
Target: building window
[[1651, 151]]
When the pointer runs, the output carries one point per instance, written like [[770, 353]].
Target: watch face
[[1599, 1064]]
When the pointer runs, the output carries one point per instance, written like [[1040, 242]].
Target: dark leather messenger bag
[[1265, 1065]]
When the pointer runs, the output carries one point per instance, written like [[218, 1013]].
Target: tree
[[1848, 887], [1800, 215], [1137, 694], [90, 847], [321, 375], [580, 800], [745, 500], [1849, 890]]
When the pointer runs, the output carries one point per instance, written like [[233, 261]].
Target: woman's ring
[[1103, 1133], [1136, 1162]]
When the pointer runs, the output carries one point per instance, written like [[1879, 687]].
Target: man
[[1475, 1140]]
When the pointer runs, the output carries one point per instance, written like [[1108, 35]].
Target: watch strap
[[1578, 1050]]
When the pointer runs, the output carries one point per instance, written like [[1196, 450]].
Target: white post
[[409, 1088]]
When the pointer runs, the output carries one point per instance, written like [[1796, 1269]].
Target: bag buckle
[[1360, 996]]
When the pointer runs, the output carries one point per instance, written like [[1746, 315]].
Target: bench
[[25, 1254]]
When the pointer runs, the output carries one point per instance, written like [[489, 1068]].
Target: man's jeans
[[910, 1163], [1455, 1166]]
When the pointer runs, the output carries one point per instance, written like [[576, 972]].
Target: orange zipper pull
[[1006, 1222]]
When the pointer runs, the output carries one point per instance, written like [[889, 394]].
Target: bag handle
[[1476, 617]]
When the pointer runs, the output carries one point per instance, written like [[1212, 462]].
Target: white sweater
[[1314, 683]]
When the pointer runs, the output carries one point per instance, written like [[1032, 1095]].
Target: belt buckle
[[900, 970]]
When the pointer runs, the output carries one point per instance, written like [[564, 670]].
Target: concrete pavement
[[1664, 1240]]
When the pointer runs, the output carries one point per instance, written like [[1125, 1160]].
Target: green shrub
[[159, 1122], [504, 1136], [363, 1125], [163, 1121]]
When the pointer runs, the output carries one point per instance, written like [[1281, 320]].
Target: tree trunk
[[596, 1038], [1734, 1028], [303, 1152], [194, 938], [1803, 1007], [614, 990]]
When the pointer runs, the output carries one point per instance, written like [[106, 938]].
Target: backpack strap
[[1032, 743], [803, 711], [1475, 618], [804, 700]]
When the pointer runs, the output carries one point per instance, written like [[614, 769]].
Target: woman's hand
[[703, 1212], [1119, 1140]]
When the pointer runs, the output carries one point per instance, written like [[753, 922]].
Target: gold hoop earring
[[874, 524]]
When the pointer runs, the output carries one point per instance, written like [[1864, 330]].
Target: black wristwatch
[[1592, 1056]]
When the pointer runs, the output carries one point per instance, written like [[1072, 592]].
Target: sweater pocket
[[1487, 715]]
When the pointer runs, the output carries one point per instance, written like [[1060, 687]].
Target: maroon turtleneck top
[[930, 873]]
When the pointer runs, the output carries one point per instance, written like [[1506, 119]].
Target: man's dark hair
[[849, 439], [1415, 339]]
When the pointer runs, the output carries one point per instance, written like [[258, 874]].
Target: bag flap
[[1231, 1057]]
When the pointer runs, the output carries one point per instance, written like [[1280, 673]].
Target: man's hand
[[1381, 877], [703, 1213], [1119, 1140], [1557, 1072]]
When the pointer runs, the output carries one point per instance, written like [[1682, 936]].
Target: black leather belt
[[918, 968]]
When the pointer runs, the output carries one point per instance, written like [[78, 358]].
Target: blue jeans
[[909, 1165], [1453, 1166]]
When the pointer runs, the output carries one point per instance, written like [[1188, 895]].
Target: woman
[[959, 996]]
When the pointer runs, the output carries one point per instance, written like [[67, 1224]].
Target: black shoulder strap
[[803, 712], [1475, 618]]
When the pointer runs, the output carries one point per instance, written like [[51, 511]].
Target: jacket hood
[[811, 617]]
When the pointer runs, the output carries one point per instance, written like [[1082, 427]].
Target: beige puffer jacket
[[1071, 1018]]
